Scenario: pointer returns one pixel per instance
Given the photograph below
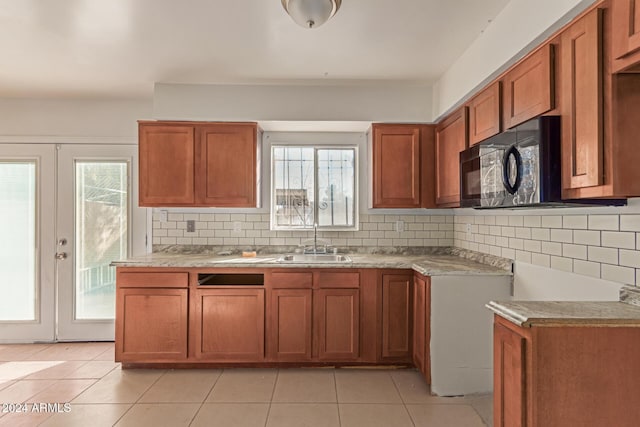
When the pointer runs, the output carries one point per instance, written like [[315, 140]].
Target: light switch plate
[[191, 226]]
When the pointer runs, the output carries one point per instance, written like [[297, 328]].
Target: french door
[[73, 210]]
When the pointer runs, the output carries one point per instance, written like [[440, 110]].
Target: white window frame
[[356, 186]]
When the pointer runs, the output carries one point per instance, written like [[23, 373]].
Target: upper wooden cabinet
[[581, 102], [402, 157], [626, 33], [167, 156], [528, 89], [451, 139], [198, 164], [484, 114]]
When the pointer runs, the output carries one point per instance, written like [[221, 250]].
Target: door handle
[[61, 255], [62, 242]]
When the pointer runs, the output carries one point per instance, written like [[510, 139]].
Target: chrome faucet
[[315, 237]]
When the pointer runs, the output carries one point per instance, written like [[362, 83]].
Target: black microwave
[[516, 168]]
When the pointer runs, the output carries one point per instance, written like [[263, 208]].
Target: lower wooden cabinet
[[289, 327], [228, 324], [337, 323], [151, 324], [421, 325], [396, 316], [566, 375]]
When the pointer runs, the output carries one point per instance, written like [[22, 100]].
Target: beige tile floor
[[100, 393]]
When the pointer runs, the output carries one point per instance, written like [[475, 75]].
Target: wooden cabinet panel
[[626, 27], [227, 167], [422, 325], [228, 324], [289, 327], [509, 378], [484, 114], [529, 88], [291, 280], [151, 324], [396, 316], [582, 126], [451, 139], [337, 323], [153, 280], [396, 166], [167, 165], [342, 279]]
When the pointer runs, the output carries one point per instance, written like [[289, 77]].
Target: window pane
[[101, 235], [336, 187], [18, 226], [293, 181]]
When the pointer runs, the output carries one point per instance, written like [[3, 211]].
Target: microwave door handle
[[506, 169]]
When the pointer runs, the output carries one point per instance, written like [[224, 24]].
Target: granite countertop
[[428, 265], [568, 313]]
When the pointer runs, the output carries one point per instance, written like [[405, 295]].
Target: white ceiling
[[119, 48]]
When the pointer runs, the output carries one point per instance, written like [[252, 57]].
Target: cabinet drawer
[[153, 280], [291, 280], [330, 279]]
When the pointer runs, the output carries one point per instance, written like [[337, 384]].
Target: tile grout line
[[139, 397], [404, 404], [335, 386], [205, 398], [273, 392]]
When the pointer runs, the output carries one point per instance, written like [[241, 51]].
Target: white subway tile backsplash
[[604, 255], [552, 248], [574, 251], [540, 234], [586, 237], [586, 268], [604, 222], [516, 221], [523, 233], [523, 256], [629, 258], [630, 222], [565, 236], [532, 221], [532, 246], [560, 263], [619, 239], [541, 260], [618, 274], [552, 221], [574, 222]]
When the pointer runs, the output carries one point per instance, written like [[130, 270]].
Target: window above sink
[[314, 184]]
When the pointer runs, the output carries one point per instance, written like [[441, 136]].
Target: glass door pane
[[18, 226], [101, 222]]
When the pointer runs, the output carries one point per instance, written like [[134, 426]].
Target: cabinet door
[[451, 139], [419, 323], [582, 127], [484, 114], [228, 165], [396, 316], [167, 157], [228, 324], [626, 27], [509, 370], [151, 324], [396, 166], [337, 323], [528, 88], [290, 325]]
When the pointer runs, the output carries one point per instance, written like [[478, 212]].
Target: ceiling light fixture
[[311, 13]]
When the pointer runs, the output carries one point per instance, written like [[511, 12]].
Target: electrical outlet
[[191, 226], [163, 216], [237, 226], [399, 226], [468, 228]]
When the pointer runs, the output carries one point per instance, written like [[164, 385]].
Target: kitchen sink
[[313, 258]]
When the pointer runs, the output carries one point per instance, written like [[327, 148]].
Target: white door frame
[[69, 328], [43, 327]]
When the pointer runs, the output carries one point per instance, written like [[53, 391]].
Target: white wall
[[72, 117], [519, 27], [391, 103]]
